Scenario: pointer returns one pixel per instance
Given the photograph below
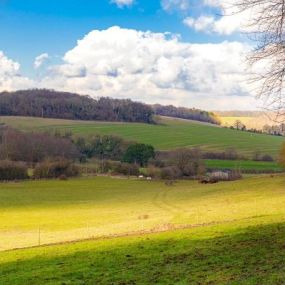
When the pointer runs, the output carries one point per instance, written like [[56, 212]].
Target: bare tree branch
[[266, 27]]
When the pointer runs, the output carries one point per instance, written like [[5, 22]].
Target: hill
[[228, 233], [168, 134]]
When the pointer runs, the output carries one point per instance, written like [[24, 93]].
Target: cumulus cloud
[[154, 67], [40, 60], [230, 22], [122, 3], [10, 77]]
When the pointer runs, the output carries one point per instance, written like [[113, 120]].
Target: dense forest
[[63, 105], [186, 113]]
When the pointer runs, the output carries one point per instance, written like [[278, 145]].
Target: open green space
[[234, 232], [244, 165], [169, 134], [57, 211]]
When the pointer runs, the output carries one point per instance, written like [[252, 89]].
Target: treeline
[[186, 113], [62, 105], [58, 155]]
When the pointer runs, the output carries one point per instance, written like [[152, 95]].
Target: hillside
[[169, 134], [225, 236]]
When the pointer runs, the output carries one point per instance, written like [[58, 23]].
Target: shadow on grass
[[255, 255]]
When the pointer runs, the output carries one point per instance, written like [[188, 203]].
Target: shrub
[[13, 171], [153, 172], [228, 154], [170, 173], [35, 147], [126, 169], [55, 169]]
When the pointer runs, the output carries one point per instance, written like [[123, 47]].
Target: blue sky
[[32, 28]]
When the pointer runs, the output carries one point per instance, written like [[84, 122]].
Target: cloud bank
[[146, 66]]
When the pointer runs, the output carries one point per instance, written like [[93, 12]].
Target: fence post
[[39, 236]]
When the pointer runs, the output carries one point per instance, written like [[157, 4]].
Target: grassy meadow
[[233, 233], [244, 165], [168, 134]]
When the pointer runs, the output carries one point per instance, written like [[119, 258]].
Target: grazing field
[[56, 211], [169, 134], [244, 165], [253, 122], [233, 233]]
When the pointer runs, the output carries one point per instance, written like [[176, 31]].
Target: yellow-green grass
[[245, 246], [244, 165], [57, 211], [169, 134]]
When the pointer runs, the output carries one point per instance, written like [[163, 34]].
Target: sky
[[183, 52]]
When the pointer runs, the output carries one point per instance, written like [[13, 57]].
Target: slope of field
[[237, 234], [169, 134], [244, 165], [55, 211]]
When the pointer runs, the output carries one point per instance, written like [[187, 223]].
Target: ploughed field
[[226, 233], [168, 134]]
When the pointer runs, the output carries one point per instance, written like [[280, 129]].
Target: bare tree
[[266, 28]]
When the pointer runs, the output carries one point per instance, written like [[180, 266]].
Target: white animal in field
[[148, 178]]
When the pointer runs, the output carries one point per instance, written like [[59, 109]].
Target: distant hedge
[[10, 170], [55, 169]]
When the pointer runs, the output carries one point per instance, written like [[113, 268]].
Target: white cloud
[[230, 22], [10, 77], [122, 3], [39, 60], [154, 67], [169, 5], [203, 23]]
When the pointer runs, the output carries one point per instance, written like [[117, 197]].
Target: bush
[[153, 172], [56, 169], [228, 154], [13, 171], [126, 169], [170, 173]]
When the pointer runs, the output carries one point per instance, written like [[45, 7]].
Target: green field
[[169, 134], [233, 232], [244, 165]]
